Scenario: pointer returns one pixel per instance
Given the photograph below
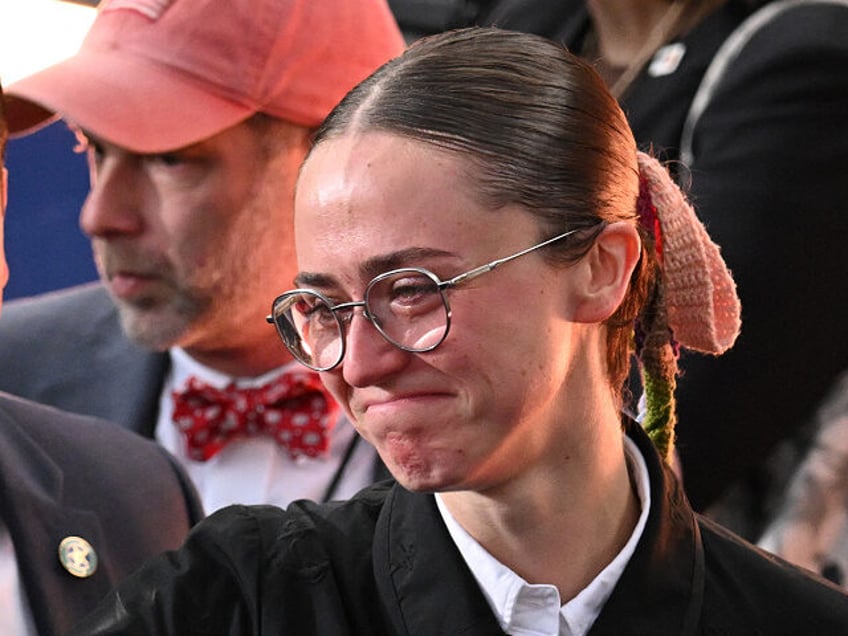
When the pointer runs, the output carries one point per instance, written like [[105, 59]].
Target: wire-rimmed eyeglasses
[[407, 306]]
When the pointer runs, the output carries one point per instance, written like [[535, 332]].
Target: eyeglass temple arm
[[488, 267]]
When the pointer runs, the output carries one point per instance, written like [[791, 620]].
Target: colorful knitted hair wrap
[[695, 305]]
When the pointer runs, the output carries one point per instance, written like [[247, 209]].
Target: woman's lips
[[404, 401]]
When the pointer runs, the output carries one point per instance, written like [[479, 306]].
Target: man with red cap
[[84, 503], [196, 115]]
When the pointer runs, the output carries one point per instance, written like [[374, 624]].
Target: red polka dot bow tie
[[293, 409]]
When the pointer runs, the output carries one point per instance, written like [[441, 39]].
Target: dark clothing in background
[[66, 475]]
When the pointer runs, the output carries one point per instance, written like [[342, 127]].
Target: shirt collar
[[183, 366], [525, 609]]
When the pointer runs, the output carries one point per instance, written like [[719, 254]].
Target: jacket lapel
[[37, 519], [427, 590], [124, 382], [422, 578], [661, 590]]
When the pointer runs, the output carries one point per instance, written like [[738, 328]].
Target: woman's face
[[485, 404]]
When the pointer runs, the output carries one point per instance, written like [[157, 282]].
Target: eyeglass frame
[[441, 285]]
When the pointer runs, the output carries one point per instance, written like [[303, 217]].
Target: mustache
[[113, 259]]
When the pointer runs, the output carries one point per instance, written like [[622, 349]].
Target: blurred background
[[48, 181]]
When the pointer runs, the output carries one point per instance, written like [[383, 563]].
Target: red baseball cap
[[156, 75]]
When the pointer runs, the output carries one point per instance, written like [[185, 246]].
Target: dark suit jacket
[[769, 179], [66, 349], [64, 475], [383, 563]]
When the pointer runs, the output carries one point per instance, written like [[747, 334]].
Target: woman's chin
[[419, 476]]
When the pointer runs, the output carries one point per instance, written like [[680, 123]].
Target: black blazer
[[768, 177], [66, 475], [383, 563]]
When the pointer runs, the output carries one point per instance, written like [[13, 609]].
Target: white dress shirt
[[15, 615], [256, 470], [525, 609]]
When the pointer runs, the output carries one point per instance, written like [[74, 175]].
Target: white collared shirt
[[15, 615], [525, 609], [256, 470]]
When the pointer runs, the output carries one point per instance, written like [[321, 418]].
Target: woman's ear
[[602, 276]]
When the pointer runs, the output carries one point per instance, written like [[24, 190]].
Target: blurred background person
[[51, 180], [810, 525], [195, 116], [83, 503]]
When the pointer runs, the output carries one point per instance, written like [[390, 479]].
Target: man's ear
[[602, 276]]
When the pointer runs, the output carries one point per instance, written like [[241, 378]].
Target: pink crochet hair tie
[[703, 308]]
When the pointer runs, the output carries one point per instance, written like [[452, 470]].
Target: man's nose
[[113, 206]]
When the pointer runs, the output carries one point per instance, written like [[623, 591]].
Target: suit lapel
[[427, 590], [421, 576], [661, 590], [123, 381], [38, 519]]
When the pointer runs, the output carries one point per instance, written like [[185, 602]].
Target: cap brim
[[123, 99], [24, 116]]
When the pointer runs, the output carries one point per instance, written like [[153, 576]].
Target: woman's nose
[[369, 357]]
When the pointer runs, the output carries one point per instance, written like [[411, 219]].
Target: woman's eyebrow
[[374, 266], [313, 279]]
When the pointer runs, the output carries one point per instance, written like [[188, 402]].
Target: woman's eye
[[411, 289], [317, 313]]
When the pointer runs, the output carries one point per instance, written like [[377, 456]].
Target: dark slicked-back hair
[[537, 127]]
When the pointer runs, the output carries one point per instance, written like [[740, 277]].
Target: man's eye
[[168, 159]]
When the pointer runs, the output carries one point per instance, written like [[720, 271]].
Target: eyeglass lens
[[406, 306]]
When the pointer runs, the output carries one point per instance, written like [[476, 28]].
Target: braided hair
[[538, 129]]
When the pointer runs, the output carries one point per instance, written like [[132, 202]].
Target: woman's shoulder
[[301, 520], [298, 546], [754, 587]]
